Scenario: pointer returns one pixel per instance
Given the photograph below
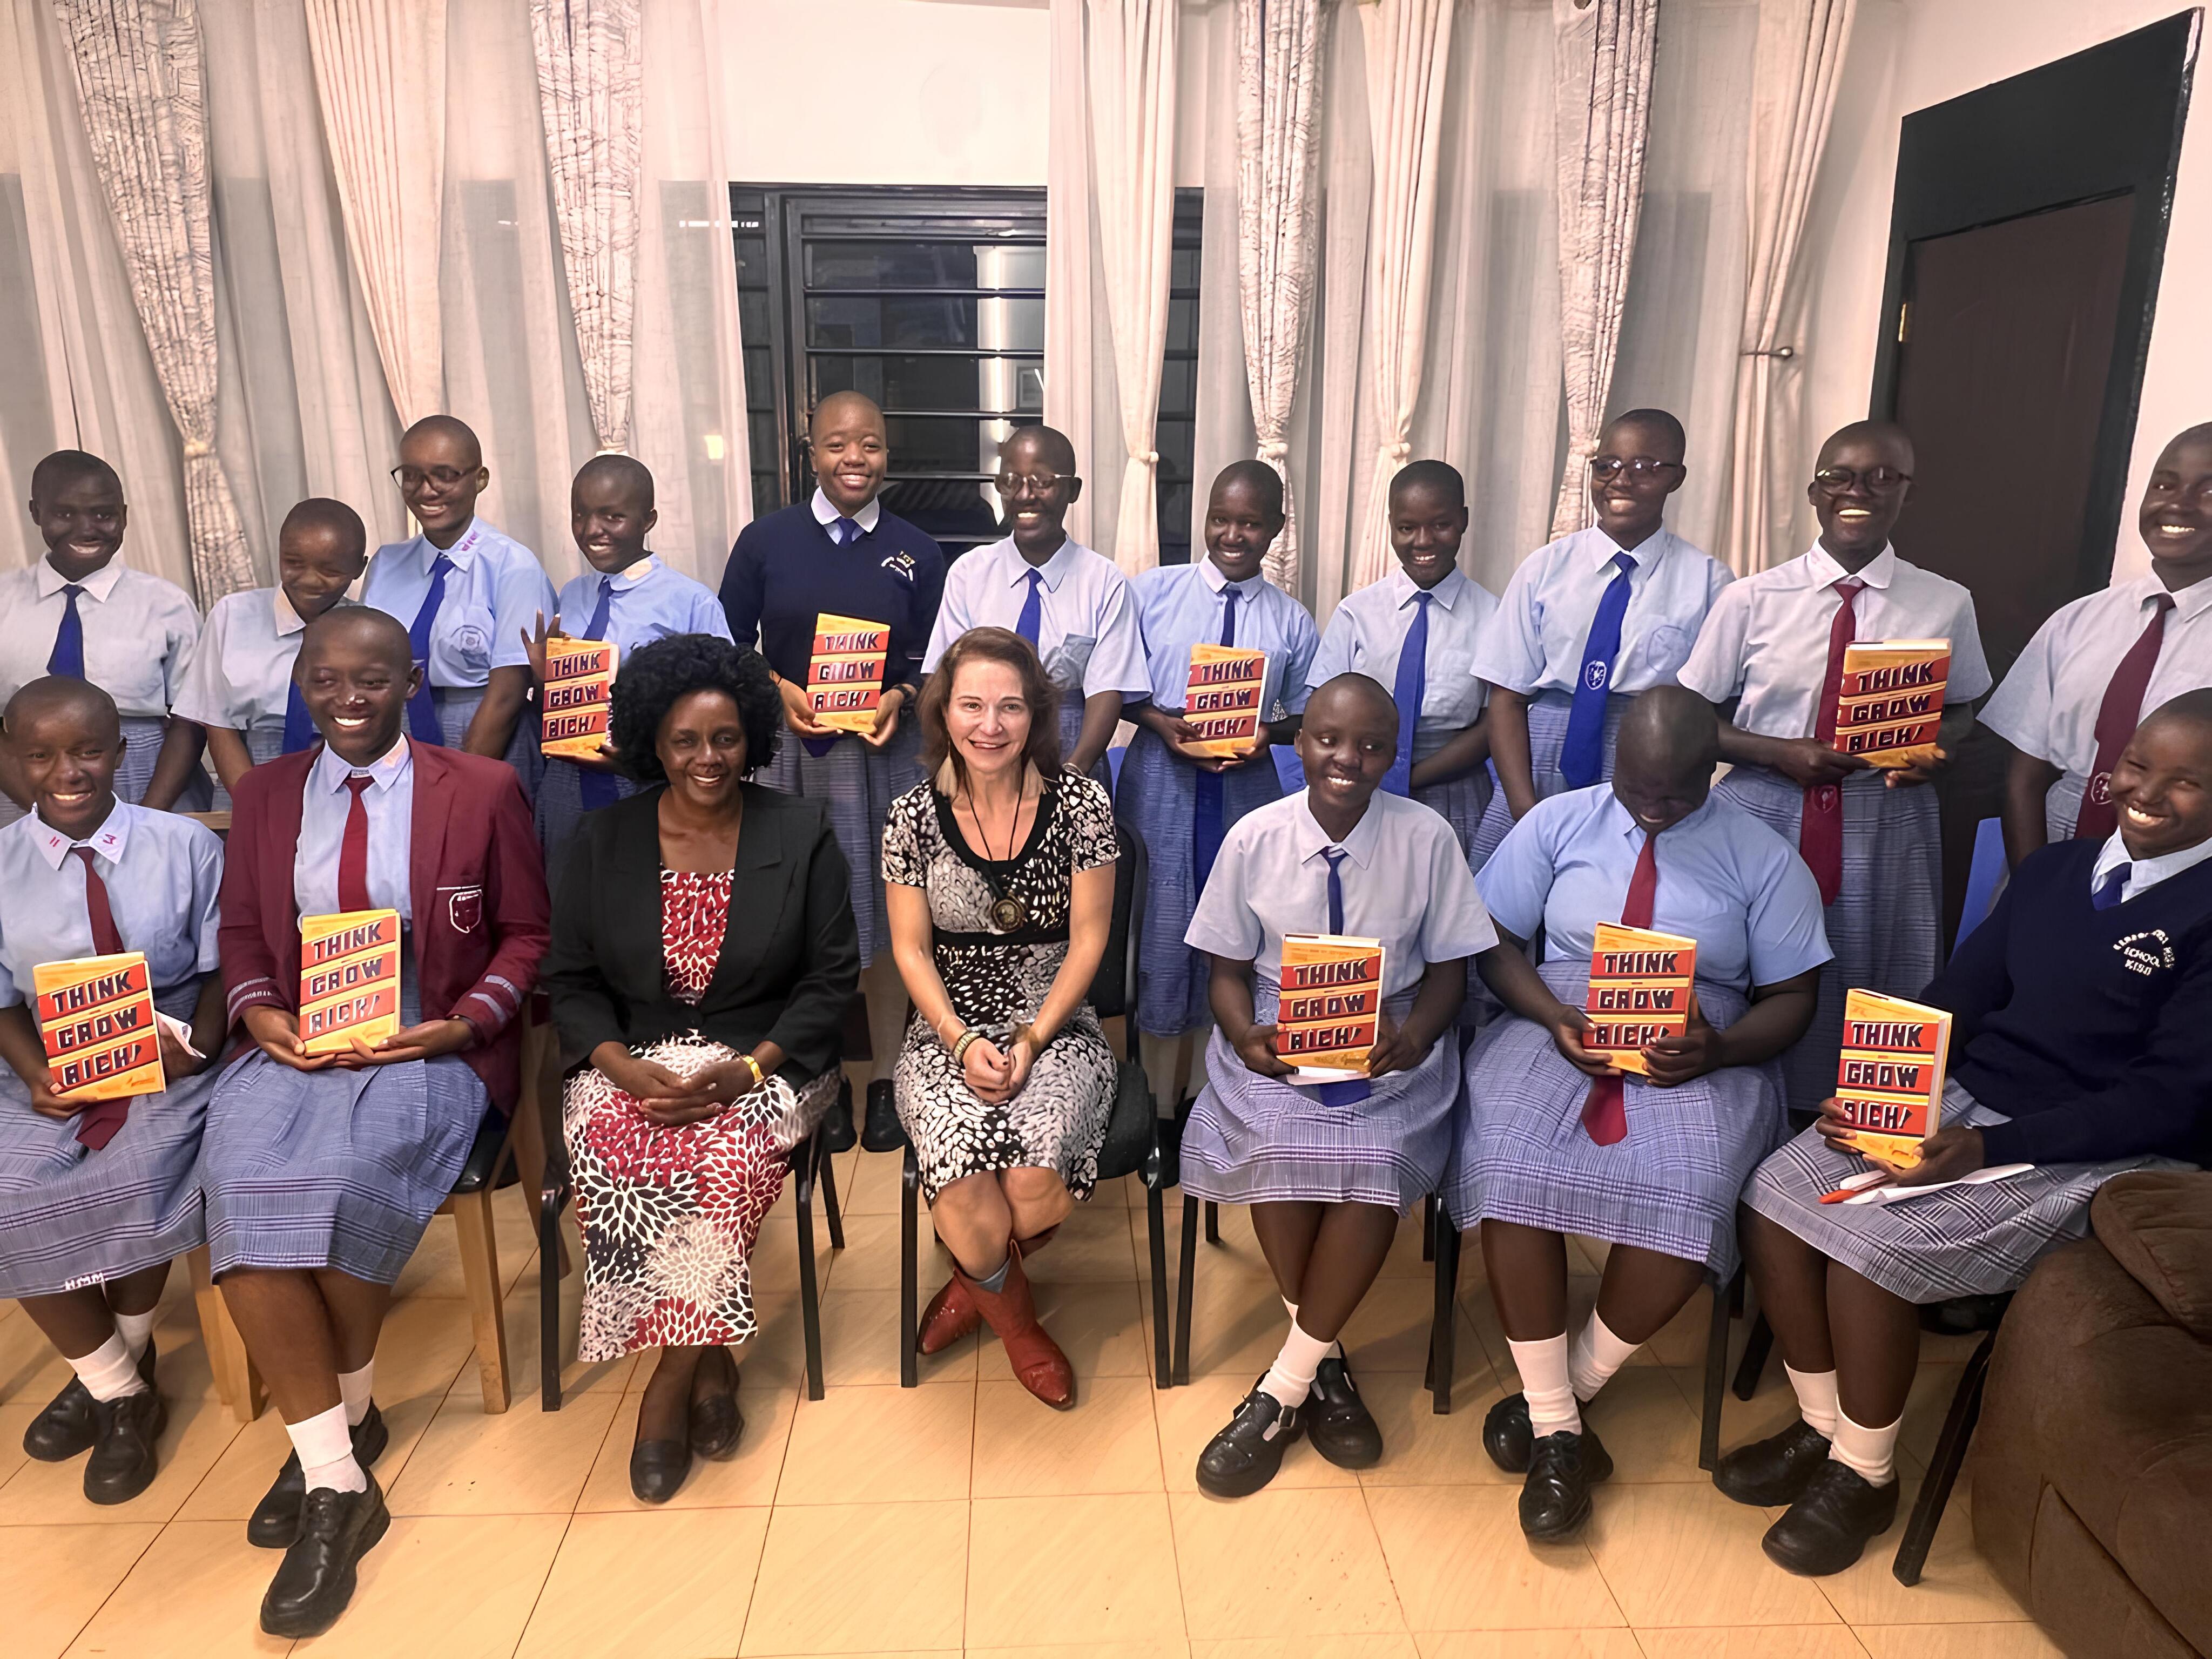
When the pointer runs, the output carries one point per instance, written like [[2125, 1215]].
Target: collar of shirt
[[330, 772], [107, 841], [626, 578], [462, 553], [2191, 602], [826, 512], [99, 584], [1054, 570], [1604, 549], [1821, 569], [2143, 874], [1216, 578], [1630, 831], [288, 621], [1312, 840], [1445, 592]]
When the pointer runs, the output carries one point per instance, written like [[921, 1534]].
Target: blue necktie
[[2107, 895], [421, 708], [1582, 756], [299, 728], [596, 788], [845, 532], [1032, 617], [68, 656], [1342, 1094], [1411, 687], [1208, 816]]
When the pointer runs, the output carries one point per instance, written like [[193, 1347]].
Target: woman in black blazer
[[699, 1053]]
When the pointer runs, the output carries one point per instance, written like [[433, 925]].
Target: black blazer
[[791, 954]]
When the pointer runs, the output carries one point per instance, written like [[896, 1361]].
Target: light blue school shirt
[[1725, 880], [323, 805], [650, 603], [1087, 634], [1180, 605], [493, 597], [241, 673], [1535, 641], [139, 632], [163, 873], [1368, 633]]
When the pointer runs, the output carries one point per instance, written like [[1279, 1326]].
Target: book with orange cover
[[1222, 697], [96, 1019], [580, 677], [1331, 1003], [1890, 702], [348, 978], [1889, 1082], [1639, 991], [845, 675]]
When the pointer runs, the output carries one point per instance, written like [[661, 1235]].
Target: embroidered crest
[[901, 565], [1594, 676], [471, 641], [2146, 952], [2099, 790], [464, 909]]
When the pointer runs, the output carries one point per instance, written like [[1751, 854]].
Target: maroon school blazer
[[482, 919]]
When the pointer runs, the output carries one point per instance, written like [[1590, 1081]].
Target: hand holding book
[[1952, 1151]]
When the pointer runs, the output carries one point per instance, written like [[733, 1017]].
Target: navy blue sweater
[[2091, 1029], [786, 571]]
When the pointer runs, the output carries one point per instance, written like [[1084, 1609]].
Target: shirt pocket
[[1067, 660], [461, 908], [463, 648]]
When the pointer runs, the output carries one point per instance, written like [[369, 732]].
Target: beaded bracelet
[[961, 1045]]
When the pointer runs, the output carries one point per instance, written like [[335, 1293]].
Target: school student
[[96, 1199], [82, 613], [2078, 1014], [320, 1172], [1328, 1169], [627, 598], [1414, 632], [469, 598], [2069, 701], [1590, 620], [1771, 660], [1073, 605], [842, 553], [1556, 1141], [239, 689], [1182, 804]]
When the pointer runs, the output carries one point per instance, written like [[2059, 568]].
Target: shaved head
[[1047, 444], [65, 466], [66, 696], [625, 474], [842, 406], [2191, 712], [2194, 437], [449, 430], [1262, 480], [363, 626], [1674, 730], [1662, 434], [1438, 478], [320, 515], [1886, 438], [1355, 689]]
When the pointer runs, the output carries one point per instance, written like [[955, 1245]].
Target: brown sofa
[[2092, 1463]]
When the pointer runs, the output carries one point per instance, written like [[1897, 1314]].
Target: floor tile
[[53, 1578], [198, 1590], [1322, 1572], [445, 1586], [1092, 1246], [1420, 1449], [1102, 1566], [523, 1317], [875, 1185], [1190, 1416], [435, 1269], [1107, 1443], [524, 1462], [1683, 1554], [861, 1342], [1753, 1641], [31, 1368], [895, 1445], [1099, 1326], [1599, 1644], [1459, 1562], [1956, 1586], [668, 1584], [1377, 1645], [1649, 1431], [1166, 1648], [198, 1430], [870, 1259], [1389, 1330], [15, 1418], [1236, 1325], [1958, 1641], [749, 1478], [860, 1577]]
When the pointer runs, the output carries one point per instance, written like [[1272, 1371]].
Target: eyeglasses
[[443, 479], [1039, 483], [1606, 468], [1878, 480]]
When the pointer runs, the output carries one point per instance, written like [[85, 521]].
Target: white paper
[[1864, 1192]]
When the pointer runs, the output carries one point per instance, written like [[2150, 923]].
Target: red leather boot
[[953, 1313], [1037, 1362]]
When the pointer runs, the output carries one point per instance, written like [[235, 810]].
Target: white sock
[[1871, 1454], [354, 1387], [1290, 1379], [1816, 1397], [1597, 1353], [137, 1330], [1335, 1349], [110, 1371], [1543, 1367], [325, 1446]]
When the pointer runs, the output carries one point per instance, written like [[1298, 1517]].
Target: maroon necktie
[[353, 851], [2117, 717], [97, 1123], [1821, 830], [1605, 1112]]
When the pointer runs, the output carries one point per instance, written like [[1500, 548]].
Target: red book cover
[[349, 980], [1639, 991], [1889, 704], [845, 675], [1330, 1006], [580, 677], [96, 1020], [1889, 1081], [1222, 697]]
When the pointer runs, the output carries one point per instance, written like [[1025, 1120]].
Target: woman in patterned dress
[[700, 1054], [1001, 878]]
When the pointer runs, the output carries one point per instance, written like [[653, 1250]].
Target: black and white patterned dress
[[999, 980]]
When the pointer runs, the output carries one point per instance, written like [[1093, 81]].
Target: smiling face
[[1346, 743], [1240, 527], [1636, 469], [440, 474], [987, 717], [609, 519], [702, 747], [1427, 527], [1860, 484], [2162, 787], [315, 565], [1037, 486], [356, 677], [850, 451], [81, 519], [2176, 516], [68, 748]]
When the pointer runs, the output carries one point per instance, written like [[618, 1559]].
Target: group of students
[[952, 867]]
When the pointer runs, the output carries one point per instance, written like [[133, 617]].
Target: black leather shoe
[[63, 1429], [1555, 1498], [883, 1131], [657, 1469], [716, 1422], [1775, 1470], [836, 1131], [315, 1579], [1831, 1523], [1244, 1456], [124, 1433], [1507, 1436], [275, 1521], [1342, 1429]]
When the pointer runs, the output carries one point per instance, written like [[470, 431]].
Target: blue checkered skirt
[[1886, 926], [560, 808], [456, 705], [859, 781], [1157, 803], [2062, 807], [72, 1217], [1254, 1139], [1547, 736], [1963, 1240], [1670, 1185], [335, 1169]]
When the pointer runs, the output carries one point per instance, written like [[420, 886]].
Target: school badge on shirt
[[2146, 952], [901, 566]]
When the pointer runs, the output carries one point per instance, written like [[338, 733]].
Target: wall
[[1908, 54]]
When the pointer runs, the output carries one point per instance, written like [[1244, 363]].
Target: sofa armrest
[[2158, 1226]]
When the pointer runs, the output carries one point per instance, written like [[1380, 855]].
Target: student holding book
[[1590, 620], [82, 613], [1328, 1169], [2069, 702], [96, 1198], [1557, 1139], [321, 1168], [2078, 1014], [1178, 793], [1772, 660]]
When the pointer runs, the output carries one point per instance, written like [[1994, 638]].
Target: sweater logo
[[901, 565], [463, 908], [2146, 952]]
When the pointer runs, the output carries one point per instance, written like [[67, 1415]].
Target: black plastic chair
[[1951, 1445]]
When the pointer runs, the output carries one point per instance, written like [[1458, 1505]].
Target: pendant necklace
[[1008, 913]]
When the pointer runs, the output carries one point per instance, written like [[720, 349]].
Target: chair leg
[[1213, 1222], [1717, 1338], [237, 1379], [548, 1300], [825, 1174], [1943, 1469], [810, 1290], [909, 1272], [480, 1273], [1156, 1242], [1757, 1343], [1186, 1283], [1428, 1228], [1444, 1336]]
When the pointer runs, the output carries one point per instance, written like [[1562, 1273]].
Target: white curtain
[[1601, 94], [1071, 319], [1279, 76], [1800, 59], [590, 76]]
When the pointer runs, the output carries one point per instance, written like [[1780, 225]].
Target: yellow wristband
[[754, 1065]]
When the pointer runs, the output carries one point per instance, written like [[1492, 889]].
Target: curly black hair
[[650, 681]]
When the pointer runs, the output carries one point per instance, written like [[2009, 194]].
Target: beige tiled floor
[[962, 1516]]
